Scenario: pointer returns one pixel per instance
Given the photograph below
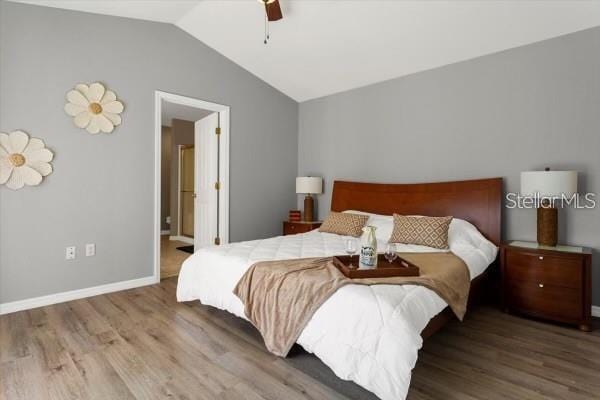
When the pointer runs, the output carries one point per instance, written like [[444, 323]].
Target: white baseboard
[[596, 311], [35, 302], [165, 232], [183, 239]]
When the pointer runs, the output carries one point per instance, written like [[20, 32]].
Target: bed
[[368, 334]]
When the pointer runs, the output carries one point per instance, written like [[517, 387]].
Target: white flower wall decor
[[23, 160], [94, 108]]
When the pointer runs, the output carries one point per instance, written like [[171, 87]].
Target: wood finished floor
[[141, 344]]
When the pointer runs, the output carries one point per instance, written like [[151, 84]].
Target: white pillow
[[383, 223], [462, 232]]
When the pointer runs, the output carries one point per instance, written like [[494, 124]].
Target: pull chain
[[266, 24]]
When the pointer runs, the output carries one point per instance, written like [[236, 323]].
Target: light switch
[[90, 249]]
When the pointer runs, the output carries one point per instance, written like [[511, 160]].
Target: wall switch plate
[[70, 253], [90, 249]]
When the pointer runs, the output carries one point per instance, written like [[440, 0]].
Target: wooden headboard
[[477, 201]]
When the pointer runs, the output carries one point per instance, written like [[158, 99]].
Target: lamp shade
[[549, 183], [309, 184]]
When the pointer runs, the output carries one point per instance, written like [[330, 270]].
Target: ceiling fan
[[272, 13]]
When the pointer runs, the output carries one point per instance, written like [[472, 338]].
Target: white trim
[[165, 232], [41, 301], [224, 172], [159, 96], [157, 182], [183, 239], [596, 311]]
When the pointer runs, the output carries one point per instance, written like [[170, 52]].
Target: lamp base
[[547, 226], [309, 205]]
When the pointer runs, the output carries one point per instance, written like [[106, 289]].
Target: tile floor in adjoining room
[[171, 258]]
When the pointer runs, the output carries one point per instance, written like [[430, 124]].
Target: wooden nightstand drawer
[[552, 270], [292, 228], [544, 300], [554, 283]]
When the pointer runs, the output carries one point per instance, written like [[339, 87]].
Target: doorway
[[191, 179]]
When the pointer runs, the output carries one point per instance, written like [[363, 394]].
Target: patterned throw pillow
[[425, 231], [346, 224]]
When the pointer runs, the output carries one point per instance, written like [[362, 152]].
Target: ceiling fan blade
[[274, 11]]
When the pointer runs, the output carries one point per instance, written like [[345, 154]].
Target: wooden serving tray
[[385, 269]]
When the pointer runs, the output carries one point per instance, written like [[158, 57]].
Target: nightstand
[[553, 283], [291, 228]]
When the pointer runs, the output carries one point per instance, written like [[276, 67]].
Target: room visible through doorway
[[192, 177]]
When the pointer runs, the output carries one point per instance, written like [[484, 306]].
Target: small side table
[[292, 228], [553, 283]]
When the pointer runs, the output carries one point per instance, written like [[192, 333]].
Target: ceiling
[[328, 46], [151, 10], [172, 111]]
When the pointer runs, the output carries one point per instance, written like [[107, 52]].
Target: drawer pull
[[541, 285], [541, 257]]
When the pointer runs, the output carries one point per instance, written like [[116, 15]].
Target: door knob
[[194, 195]]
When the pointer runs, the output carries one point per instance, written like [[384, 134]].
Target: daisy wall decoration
[[23, 160], [94, 108]]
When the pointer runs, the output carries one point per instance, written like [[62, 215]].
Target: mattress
[[366, 334]]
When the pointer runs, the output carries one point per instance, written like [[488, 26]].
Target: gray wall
[[101, 190], [497, 115]]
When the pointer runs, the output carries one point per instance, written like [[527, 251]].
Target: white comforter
[[367, 334]]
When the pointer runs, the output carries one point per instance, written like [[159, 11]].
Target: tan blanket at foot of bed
[[280, 297]]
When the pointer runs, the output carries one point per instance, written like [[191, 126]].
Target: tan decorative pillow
[[425, 231], [344, 224]]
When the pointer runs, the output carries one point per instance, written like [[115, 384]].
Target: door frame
[[224, 111]]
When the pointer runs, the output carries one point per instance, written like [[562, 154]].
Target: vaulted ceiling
[[328, 46]]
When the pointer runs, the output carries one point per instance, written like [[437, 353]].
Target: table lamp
[[545, 186], [309, 185]]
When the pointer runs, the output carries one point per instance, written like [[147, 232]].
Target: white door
[[205, 212]]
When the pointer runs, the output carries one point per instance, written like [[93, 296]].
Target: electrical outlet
[[90, 250], [70, 253]]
